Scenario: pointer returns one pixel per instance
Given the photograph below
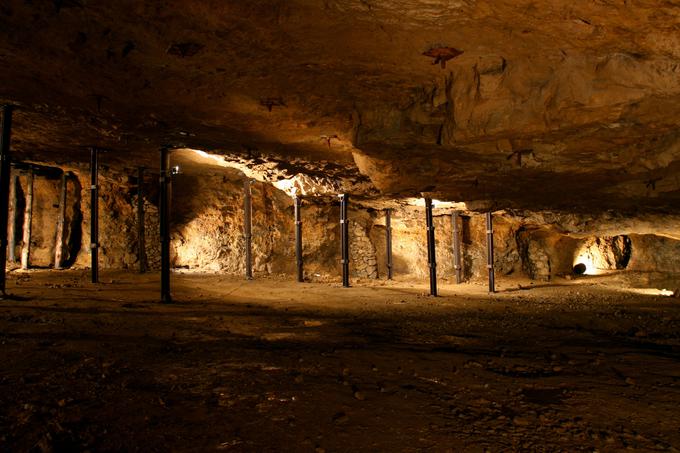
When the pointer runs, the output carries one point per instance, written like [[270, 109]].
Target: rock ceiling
[[561, 105]]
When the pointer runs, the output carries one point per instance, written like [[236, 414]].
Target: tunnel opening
[[600, 255], [580, 269]]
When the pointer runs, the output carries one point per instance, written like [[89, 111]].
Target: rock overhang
[[554, 106]]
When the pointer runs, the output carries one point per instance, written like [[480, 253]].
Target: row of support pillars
[[8, 188], [431, 249], [8, 193], [344, 239], [27, 221], [7, 185]]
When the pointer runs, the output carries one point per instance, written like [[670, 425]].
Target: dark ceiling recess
[[442, 54], [580, 269], [272, 102], [185, 49]]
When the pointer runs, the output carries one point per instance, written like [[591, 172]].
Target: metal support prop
[[298, 239], [12, 227], [61, 219], [248, 227], [489, 252], [431, 252], [164, 214], [388, 242], [344, 239], [141, 232], [5, 135], [456, 247], [94, 213], [28, 222]]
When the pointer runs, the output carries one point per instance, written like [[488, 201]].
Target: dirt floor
[[272, 365]]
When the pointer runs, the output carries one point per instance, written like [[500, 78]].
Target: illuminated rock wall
[[652, 253], [208, 229]]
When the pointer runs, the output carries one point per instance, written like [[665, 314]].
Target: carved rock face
[[551, 105]]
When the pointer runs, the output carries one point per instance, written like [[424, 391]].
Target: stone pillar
[[28, 220], [61, 220], [12, 225]]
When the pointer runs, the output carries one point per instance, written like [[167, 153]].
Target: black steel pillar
[[94, 213], [298, 239], [388, 242], [4, 190], [248, 226], [164, 214], [489, 252], [431, 252], [141, 231], [456, 247], [344, 239]]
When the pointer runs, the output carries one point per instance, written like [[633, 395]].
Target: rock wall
[[321, 240], [117, 220], [46, 191], [409, 243], [545, 252], [651, 253], [363, 255], [605, 253], [152, 246], [208, 229]]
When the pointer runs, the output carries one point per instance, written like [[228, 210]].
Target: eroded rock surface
[[555, 105]]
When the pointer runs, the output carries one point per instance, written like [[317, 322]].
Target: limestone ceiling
[[563, 105]]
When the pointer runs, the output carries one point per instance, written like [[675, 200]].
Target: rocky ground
[[271, 365]]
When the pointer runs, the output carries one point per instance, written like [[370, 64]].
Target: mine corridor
[[339, 226]]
